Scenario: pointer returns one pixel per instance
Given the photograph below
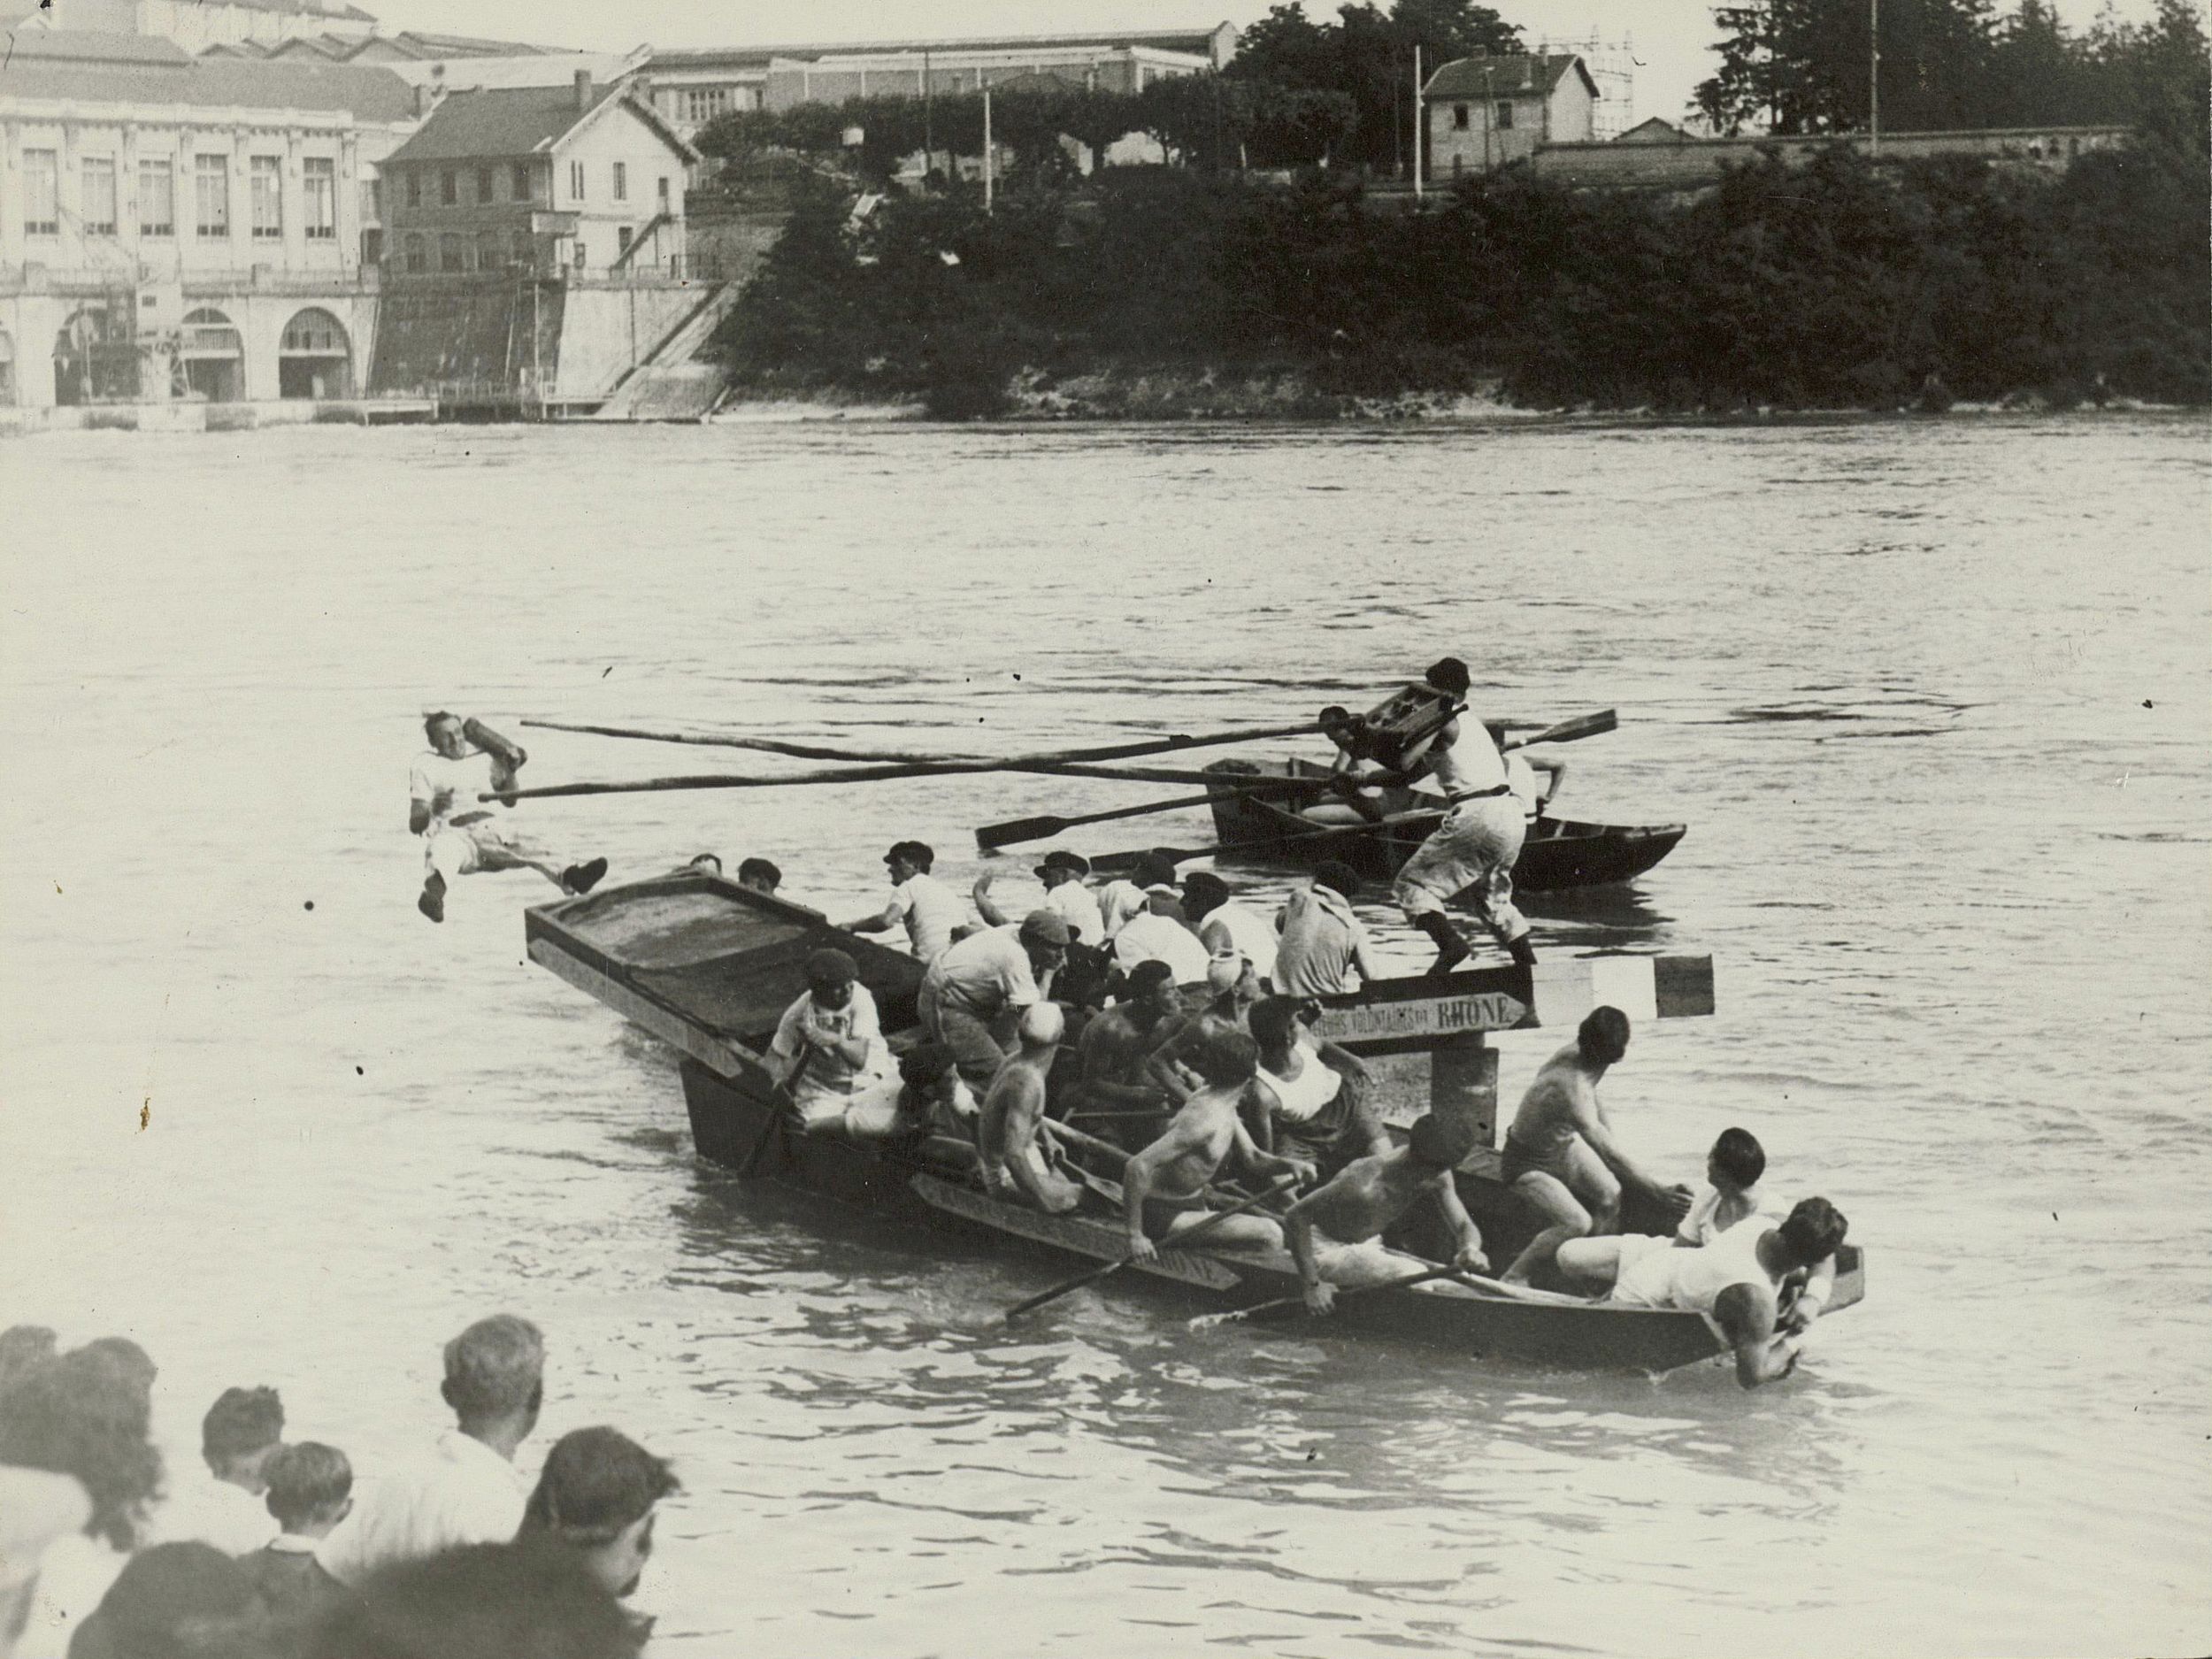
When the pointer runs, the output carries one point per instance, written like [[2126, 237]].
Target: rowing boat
[[710, 967], [1559, 854]]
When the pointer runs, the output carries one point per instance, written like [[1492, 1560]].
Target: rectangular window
[[576, 180], [622, 239], [1459, 117], [418, 257], [519, 248], [41, 193], [99, 195], [701, 104], [414, 186], [452, 253], [211, 188], [449, 188], [580, 261], [663, 192], [483, 185], [157, 197], [373, 200], [487, 250], [621, 182], [520, 180], [318, 207], [266, 184], [1505, 115]]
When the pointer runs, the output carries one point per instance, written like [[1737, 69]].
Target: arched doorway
[[95, 355], [315, 359], [214, 357]]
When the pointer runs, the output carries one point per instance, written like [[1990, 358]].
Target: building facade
[[194, 24], [1484, 113], [173, 227]]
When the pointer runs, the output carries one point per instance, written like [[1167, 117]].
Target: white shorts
[[453, 850], [1645, 1277]]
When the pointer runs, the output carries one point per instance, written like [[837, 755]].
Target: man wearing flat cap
[[1066, 897], [829, 1044], [973, 995]]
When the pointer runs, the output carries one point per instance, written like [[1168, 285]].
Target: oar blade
[[1043, 827]]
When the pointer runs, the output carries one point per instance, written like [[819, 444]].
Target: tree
[[1802, 65]]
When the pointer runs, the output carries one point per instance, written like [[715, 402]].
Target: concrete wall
[[608, 330], [1697, 162]]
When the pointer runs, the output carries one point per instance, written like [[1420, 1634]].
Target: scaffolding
[[1612, 64]]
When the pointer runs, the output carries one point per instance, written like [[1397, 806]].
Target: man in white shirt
[[1227, 926], [1155, 934], [1066, 897], [1118, 901], [465, 1491], [1733, 1197], [459, 836], [225, 1506], [829, 1044], [1323, 943], [974, 994], [930, 908]]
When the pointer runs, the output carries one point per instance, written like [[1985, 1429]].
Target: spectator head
[[176, 1601], [1813, 1231], [120, 1357], [1338, 877], [1203, 894], [909, 858], [1737, 1161], [1042, 1025], [85, 1414], [1227, 1058], [23, 1349], [1151, 985], [311, 1488], [1274, 1022], [495, 1370], [1439, 1143], [596, 1496], [1084, 979], [480, 1601], [757, 875], [830, 974], [240, 1433], [1602, 1036], [1448, 674]]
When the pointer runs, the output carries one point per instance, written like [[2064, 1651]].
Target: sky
[[1672, 38]]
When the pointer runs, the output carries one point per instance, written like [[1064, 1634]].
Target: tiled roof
[[1513, 76], [95, 69], [500, 122], [82, 46], [1198, 43]]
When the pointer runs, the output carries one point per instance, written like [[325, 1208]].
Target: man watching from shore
[[1335, 1233], [1736, 1281], [222, 1504], [1164, 1187], [930, 910], [974, 994], [1323, 944], [466, 1491], [596, 1499], [459, 835], [1013, 1109], [1560, 1153], [311, 1491]]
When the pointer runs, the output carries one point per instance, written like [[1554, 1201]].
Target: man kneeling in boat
[[468, 759], [1309, 1099], [1336, 1233], [1008, 1133], [1164, 1187], [829, 1046], [1736, 1281]]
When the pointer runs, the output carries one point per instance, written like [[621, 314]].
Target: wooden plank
[[701, 1045], [1091, 1239]]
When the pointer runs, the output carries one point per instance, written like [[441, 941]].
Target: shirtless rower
[[1164, 1187], [1736, 1281], [1014, 1106], [1235, 989], [1336, 1233], [1116, 1044], [1560, 1153], [1311, 1098], [1472, 850]]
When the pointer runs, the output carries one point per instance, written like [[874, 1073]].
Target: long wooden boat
[[1559, 854], [710, 967]]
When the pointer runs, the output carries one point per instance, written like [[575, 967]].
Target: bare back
[[1196, 1142], [1550, 1116]]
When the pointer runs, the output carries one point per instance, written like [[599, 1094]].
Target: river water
[[1932, 696]]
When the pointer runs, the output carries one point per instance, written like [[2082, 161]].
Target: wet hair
[[1274, 1021], [595, 1482], [494, 1366], [1147, 976], [1738, 1156], [85, 1414], [306, 1482], [175, 1601], [437, 717], [921, 854], [1335, 873], [760, 870], [480, 1601], [1226, 1057], [1438, 1143], [923, 1065], [1448, 673], [241, 1422], [23, 1349], [1603, 1034], [1813, 1231]]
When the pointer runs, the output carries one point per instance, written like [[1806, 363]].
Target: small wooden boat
[[1560, 853], [710, 967]]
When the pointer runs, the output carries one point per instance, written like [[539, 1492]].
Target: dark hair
[[496, 1365], [241, 1422], [1438, 1143], [480, 1601], [919, 854], [23, 1349], [437, 717], [1448, 673], [306, 1481], [697, 859], [175, 1601], [85, 1414], [1274, 1021], [1226, 1057], [1205, 890], [596, 1482], [760, 870], [1813, 1231], [1147, 976], [120, 1357], [924, 1064], [1603, 1035], [1334, 872], [1738, 1156], [1152, 870]]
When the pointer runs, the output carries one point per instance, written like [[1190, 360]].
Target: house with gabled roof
[[1484, 112]]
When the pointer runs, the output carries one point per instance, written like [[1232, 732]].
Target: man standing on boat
[[1164, 1187], [1472, 850], [468, 759], [1323, 943], [930, 908], [1560, 1153], [828, 1046], [1736, 1281], [975, 992], [1335, 1233]]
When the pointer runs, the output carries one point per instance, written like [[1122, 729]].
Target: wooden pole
[[987, 148], [1420, 121]]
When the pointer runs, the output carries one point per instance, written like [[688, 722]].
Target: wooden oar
[[1045, 825], [1209, 1321], [1175, 1241], [808, 751], [790, 1102], [865, 774], [1565, 732]]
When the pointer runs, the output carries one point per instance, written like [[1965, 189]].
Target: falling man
[[468, 759]]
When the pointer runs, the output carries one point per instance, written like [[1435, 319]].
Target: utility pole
[[1489, 113], [929, 137], [1874, 77], [987, 148], [1420, 121]]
